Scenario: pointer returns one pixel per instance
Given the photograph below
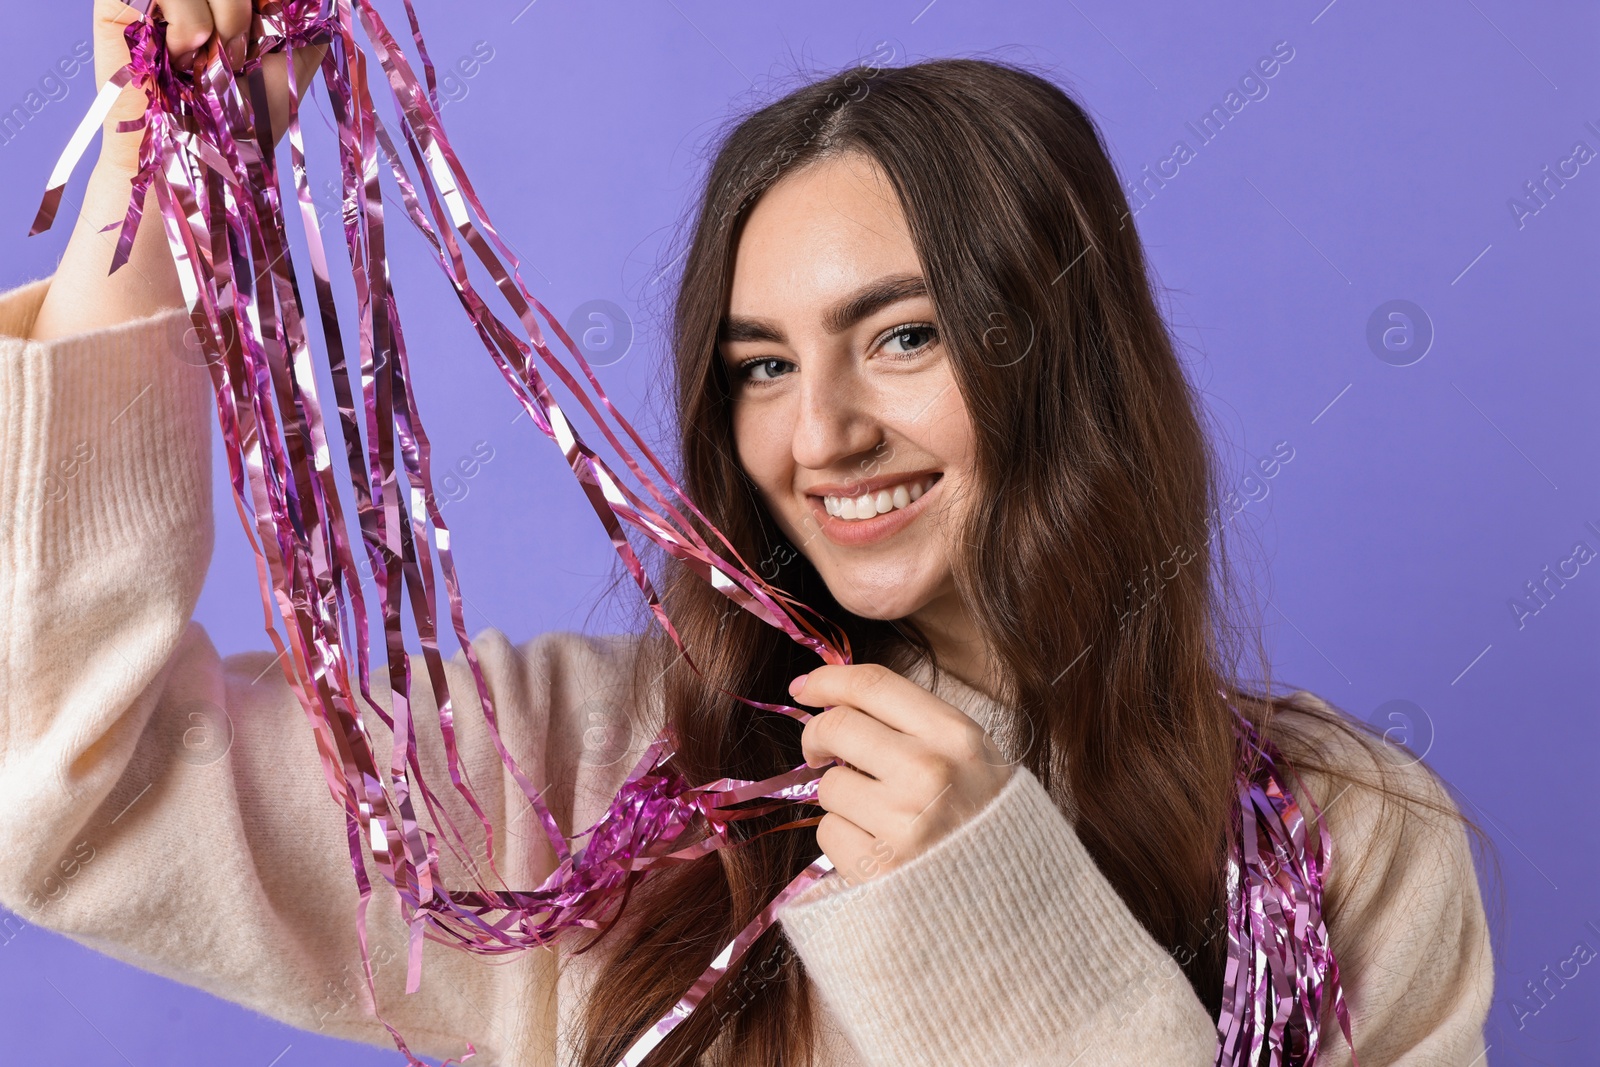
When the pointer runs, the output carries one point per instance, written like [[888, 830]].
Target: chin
[[877, 599]]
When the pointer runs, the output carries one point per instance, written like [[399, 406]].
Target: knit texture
[[166, 805]]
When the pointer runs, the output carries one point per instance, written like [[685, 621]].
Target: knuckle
[[973, 738], [930, 773], [872, 676]]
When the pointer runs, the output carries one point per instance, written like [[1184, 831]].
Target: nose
[[835, 421]]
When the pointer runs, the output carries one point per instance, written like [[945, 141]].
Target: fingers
[[849, 793], [189, 25], [854, 737], [883, 694], [193, 28], [232, 27], [846, 844], [192, 23]]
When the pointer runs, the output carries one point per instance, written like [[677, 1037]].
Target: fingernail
[[797, 685]]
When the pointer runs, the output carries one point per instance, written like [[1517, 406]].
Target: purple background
[[1420, 498]]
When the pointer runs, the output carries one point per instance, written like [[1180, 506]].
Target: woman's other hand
[[918, 767]]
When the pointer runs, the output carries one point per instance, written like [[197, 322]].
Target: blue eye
[[765, 369], [913, 336]]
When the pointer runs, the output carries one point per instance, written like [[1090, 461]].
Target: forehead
[[819, 234]]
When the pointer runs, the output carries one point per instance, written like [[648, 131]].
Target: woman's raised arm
[[167, 805]]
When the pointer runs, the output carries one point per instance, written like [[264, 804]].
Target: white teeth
[[880, 502]]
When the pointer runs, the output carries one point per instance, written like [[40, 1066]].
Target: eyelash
[[744, 369]]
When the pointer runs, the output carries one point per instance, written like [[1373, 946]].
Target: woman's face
[[845, 412]]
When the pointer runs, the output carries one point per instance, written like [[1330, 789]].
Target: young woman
[[920, 371]]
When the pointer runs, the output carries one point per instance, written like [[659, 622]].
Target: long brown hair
[[1094, 563]]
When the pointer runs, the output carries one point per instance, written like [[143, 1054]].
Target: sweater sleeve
[[1003, 944], [166, 805]]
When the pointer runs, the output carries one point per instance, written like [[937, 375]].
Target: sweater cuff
[[105, 435], [1001, 944]]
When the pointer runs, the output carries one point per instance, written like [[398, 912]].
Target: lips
[[868, 504], [905, 497]]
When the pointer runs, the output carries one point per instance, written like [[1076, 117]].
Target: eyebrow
[[838, 318]]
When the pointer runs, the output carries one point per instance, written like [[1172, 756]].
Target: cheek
[[948, 437], [944, 428], [762, 448], [952, 439]]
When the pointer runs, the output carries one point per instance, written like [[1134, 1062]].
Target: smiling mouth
[[868, 505]]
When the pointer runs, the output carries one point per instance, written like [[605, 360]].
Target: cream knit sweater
[[166, 806]]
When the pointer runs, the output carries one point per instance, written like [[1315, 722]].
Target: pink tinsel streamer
[[1281, 964], [212, 167]]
